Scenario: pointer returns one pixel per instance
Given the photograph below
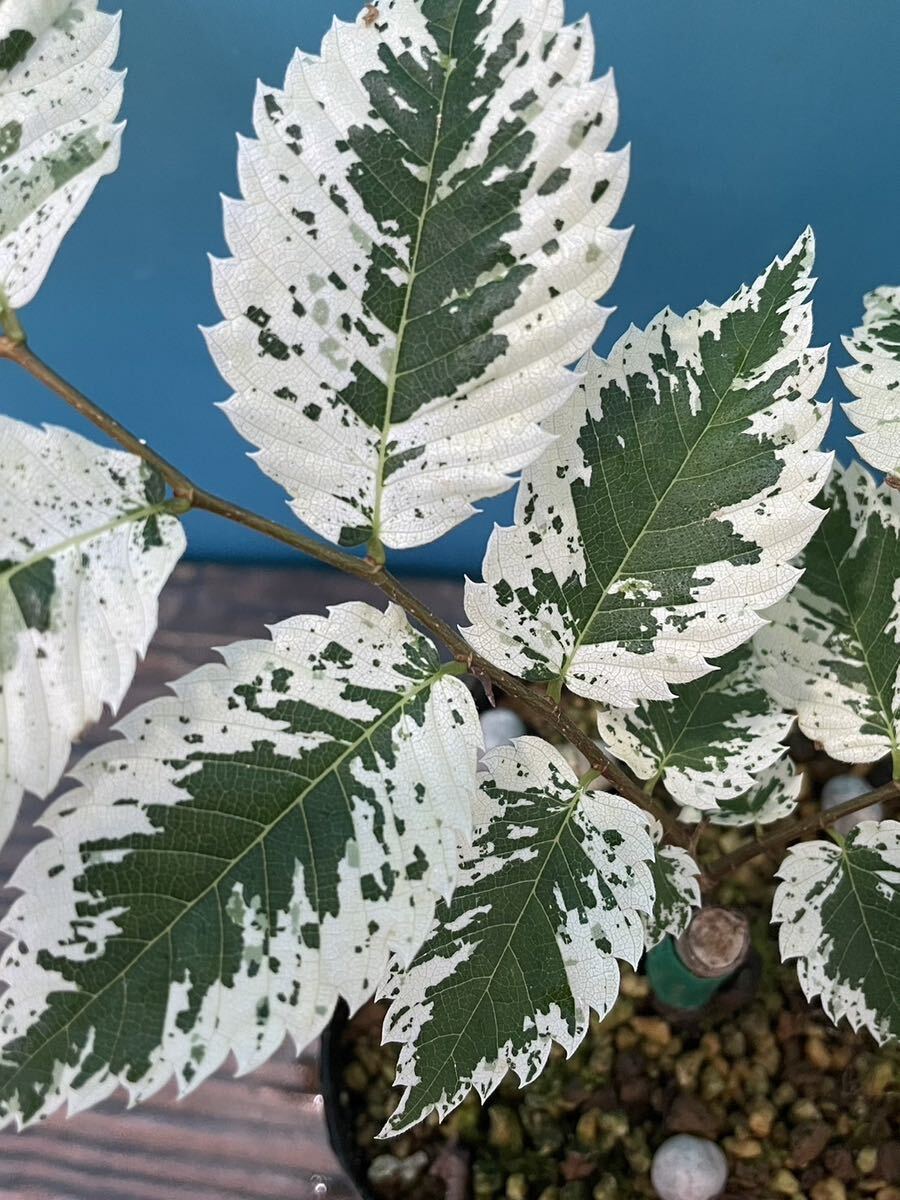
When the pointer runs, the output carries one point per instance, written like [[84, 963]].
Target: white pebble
[[688, 1168], [385, 1169], [499, 726], [841, 788]]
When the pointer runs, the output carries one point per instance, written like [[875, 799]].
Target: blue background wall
[[748, 121]]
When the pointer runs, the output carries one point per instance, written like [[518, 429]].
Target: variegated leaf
[[649, 537], [58, 105], [423, 236], [254, 849], [773, 796], [86, 545], [832, 650], [676, 883], [550, 897], [710, 742], [839, 911], [875, 381]]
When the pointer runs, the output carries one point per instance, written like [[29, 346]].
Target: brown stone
[[576, 1166], [689, 1114], [839, 1163], [807, 1143], [888, 1163], [634, 1095]]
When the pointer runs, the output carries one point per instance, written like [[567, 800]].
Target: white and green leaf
[[710, 743], [839, 911], [550, 897], [832, 650], [256, 847], [874, 380], [676, 890], [423, 235], [86, 545], [650, 536], [58, 103], [773, 796]]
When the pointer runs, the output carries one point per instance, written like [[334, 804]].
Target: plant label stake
[[687, 972]]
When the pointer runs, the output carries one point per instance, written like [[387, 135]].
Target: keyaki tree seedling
[[424, 232]]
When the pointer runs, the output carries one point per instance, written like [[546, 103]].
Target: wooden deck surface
[[261, 1137]]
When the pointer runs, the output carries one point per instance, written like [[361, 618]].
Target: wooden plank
[[260, 1137]]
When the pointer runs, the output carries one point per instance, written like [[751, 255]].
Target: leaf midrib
[[886, 975], [266, 831], [376, 543], [579, 641], [886, 711], [138, 514], [553, 846]]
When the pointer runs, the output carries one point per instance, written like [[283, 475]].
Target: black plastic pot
[[333, 1059]]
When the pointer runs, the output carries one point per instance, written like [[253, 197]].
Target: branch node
[[13, 330], [183, 494], [375, 552]]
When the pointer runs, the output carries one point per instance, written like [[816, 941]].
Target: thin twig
[[534, 701], [18, 352], [541, 707], [723, 866]]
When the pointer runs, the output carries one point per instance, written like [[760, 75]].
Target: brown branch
[[720, 867], [17, 351], [536, 702]]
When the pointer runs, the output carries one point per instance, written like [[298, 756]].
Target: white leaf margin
[[726, 609], [774, 795], [874, 379], [49, 877], [68, 499], [676, 870], [472, 448], [62, 89], [814, 865]]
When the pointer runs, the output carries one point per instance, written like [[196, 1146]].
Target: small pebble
[[734, 1044], [889, 1162], [817, 1053], [505, 1132], [387, 1170], [784, 1094], [588, 1130], [879, 1080], [829, 1189], [804, 1110], [687, 1069], [516, 1187], [636, 987], [761, 1118], [746, 1148], [841, 788], [688, 1168], [653, 1029], [626, 1039], [712, 1082], [785, 1183], [356, 1077], [606, 1189], [499, 726]]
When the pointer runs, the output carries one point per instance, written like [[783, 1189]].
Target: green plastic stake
[[686, 974]]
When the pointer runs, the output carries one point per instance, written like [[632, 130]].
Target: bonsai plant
[[423, 236]]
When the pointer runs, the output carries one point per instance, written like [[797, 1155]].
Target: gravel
[[799, 1108]]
